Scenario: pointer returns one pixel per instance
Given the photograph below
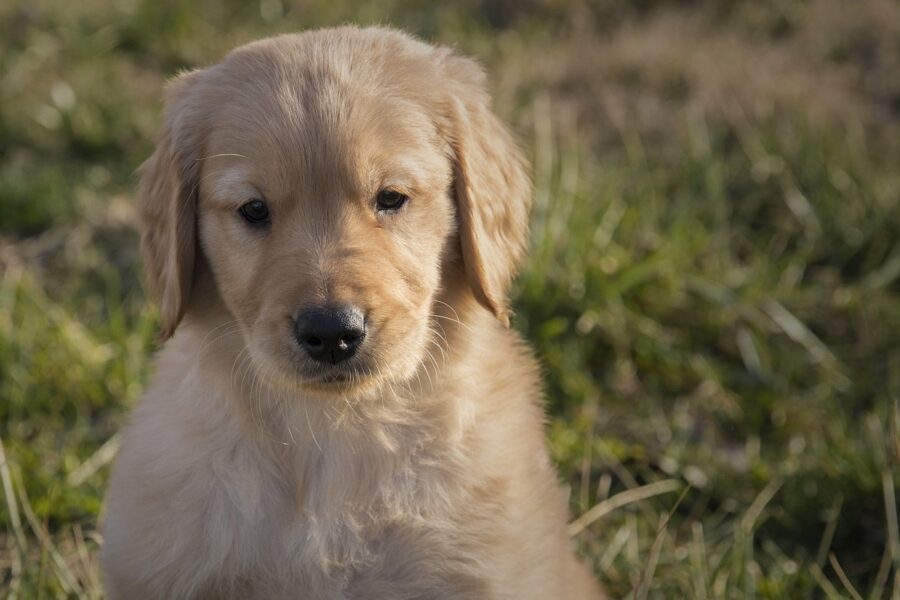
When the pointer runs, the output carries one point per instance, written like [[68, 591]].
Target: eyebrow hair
[[234, 154], [222, 184]]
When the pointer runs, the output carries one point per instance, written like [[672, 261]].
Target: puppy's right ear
[[167, 201]]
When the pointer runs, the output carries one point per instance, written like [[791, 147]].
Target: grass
[[713, 284]]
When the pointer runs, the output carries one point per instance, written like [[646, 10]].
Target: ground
[[713, 283]]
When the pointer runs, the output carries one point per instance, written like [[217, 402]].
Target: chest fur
[[333, 514]]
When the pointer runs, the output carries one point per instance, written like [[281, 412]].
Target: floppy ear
[[491, 187], [167, 202]]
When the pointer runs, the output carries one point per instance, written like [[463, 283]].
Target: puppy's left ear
[[491, 187]]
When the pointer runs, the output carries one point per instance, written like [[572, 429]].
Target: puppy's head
[[333, 182]]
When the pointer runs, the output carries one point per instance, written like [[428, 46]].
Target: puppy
[[331, 223]]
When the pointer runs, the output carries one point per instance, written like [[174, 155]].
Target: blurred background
[[713, 285]]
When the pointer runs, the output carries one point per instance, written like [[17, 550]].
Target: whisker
[[234, 364], [219, 156], [309, 426], [207, 344], [457, 319]]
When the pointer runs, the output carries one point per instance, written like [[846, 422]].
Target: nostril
[[348, 341], [313, 342]]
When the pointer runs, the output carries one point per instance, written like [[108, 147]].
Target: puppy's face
[[324, 218], [329, 180]]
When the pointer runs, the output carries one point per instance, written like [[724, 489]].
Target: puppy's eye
[[255, 212], [390, 200]]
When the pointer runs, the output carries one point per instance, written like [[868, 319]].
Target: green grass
[[713, 284]]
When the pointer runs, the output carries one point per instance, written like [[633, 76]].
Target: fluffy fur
[[416, 469]]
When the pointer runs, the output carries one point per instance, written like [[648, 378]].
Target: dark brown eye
[[255, 212], [390, 200]]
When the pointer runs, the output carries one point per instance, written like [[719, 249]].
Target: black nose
[[330, 334]]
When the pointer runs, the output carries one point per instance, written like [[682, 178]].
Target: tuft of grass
[[712, 284]]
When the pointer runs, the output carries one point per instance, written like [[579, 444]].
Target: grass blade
[[625, 498]]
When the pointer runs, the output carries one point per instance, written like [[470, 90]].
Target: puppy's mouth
[[336, 378], [333, 378]]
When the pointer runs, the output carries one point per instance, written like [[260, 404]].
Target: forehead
[[322, 124]]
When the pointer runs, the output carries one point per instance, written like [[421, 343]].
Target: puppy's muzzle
[[330, 334]]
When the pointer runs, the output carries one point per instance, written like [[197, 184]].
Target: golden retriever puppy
[[331, 223]]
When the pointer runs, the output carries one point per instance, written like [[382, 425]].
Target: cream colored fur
[[423, 473]]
